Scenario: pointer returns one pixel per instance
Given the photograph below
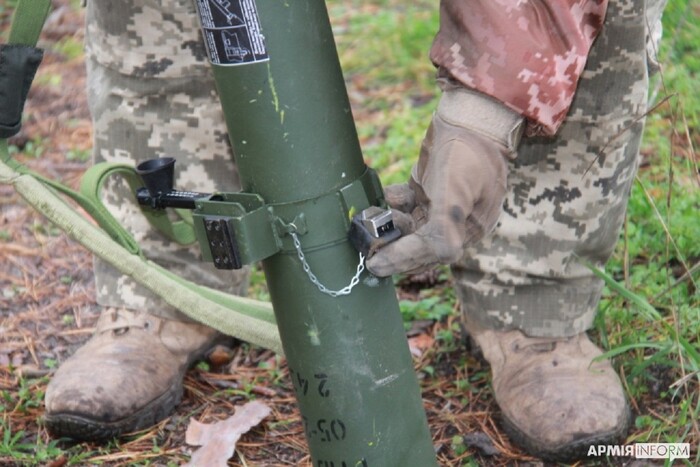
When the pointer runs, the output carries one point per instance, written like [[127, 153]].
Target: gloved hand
[[457, 188]]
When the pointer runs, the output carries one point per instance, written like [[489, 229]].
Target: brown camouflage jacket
[[528, 54]]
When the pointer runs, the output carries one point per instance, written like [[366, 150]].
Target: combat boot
[[555, 399], [127, 377]]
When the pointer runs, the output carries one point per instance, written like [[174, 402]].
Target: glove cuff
[[481, 114]]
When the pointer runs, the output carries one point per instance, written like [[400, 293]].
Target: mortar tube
[[295, 144]]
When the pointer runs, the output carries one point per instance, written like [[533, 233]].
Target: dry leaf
[[419, 344], [218, 440]]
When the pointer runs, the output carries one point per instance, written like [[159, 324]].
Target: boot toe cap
[[561, 424], [104, 391]]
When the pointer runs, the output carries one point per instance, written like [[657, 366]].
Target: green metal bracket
[[235, 229]]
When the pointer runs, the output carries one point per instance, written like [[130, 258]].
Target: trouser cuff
[[547, 309]]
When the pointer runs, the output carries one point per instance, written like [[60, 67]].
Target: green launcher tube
[[295, 144]]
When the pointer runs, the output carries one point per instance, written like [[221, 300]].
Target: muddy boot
[[555, 400], [127, 377]]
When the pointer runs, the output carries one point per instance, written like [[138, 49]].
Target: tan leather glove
[[456, 191]]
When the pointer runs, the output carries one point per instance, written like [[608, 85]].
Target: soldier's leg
[[151, 94], [527, 294]]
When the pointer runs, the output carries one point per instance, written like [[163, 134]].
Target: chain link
[[314, 280]]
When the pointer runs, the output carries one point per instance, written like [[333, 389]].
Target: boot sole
[[575, 450], [81, 428]]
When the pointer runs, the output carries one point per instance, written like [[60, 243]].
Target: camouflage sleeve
[[527, 54]]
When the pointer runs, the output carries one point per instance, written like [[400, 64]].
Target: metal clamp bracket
[[235, 229]]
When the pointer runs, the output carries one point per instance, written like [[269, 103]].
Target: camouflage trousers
[[151, 94], [566, 196]]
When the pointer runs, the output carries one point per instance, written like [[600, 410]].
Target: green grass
[[384, 53], [14, 444], [18, 444], [650, 311], [679, 53], [69, 47]]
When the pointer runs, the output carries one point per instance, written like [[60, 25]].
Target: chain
[[314, 280]]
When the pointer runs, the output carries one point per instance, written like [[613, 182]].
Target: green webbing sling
[[28, 20], [249, 320]]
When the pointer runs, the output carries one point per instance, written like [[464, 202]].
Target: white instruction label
[[231, 30]]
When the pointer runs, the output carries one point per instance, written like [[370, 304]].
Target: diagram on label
[[232, 32], [232, 48], [223, 7]]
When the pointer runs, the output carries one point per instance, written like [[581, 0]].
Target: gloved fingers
[[400, 197], [410, 254], [403, 222], [432, 244]]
